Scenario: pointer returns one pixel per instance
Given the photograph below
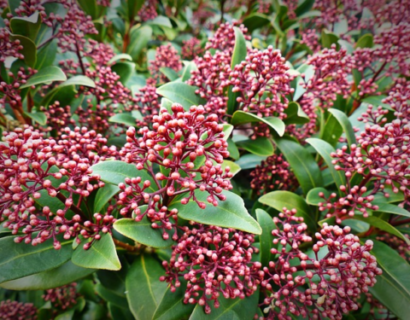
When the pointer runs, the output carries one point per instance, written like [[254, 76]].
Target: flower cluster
[[165, 56], [191, 48], [149, 10], [62, 297], [8, 47], [213, 261], [272, 174], [13, 310], [189, 148], [147, 103], [33, 167], [58, 116], [335, 281], [224, 38]]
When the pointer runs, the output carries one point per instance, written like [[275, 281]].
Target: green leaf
[[266, 238], [234, 167], [230, 213], [365, 41], [304, 7], [46, 55], [26, 26], [189, 67], [250, 161], [80, 81], [123, 118], [118, 313], [172, 307], [124, 70], [295, 114], [255, 20], [39, 117], [230, 309], [115, 172], [45, 75], [325, 149], [302, 163], [118, 57], [57, 277], [104, 195], [171, 74], [59, 93], [233, 150], [89, 7], [142, 232], [241, 117], [18, 260], [313, 198], [29, 49], [289, 200], [393, 286], [111, 296], [382, 225], [145, 291], [332, 131], [181, 93], [346, 125], [101, 255], [139, 37], [261, 146], [391, 208], [329, 38]]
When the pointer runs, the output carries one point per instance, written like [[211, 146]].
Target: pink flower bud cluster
[[33, 167], [272, 174], [100, 53], [148, 11], [392, 12], [262, 82], [62, 297], [332, 11], [203, 13], [165, 56], [13, 310], [147, 103], [57, 116], [189, 148], [264, 6], [213, 261], [191, 48], [224, 38], [8, 47], [211, 78], [335, 282], [311, 39]]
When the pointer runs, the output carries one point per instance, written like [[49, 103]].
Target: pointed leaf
[[104, 195], [391, 208], [295, 114], [261, 146], [45, 75], [26, 26], [139, 38], [241, 117], [123, 118], [181, 93], [266, 238], [172, 307], [346, 125], [80, 81]]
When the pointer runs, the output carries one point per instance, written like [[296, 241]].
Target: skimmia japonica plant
[[230, 159]]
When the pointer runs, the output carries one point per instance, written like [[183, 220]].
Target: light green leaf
[[45, 75], [139, 37], [101, 255], [391, 208], [295, 114], [346, 125], [313, 198], [104, 195], [181, 93], [365, 41], [118, 57], [230, 213], [80, 81], [171, 74], [123, 118], [26, 26], [261, 146], [241, 117], [250, 161], [266, 238], [39, 117]]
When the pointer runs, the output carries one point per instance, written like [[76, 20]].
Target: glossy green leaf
[[241, 117], [255, 20], [123, 118], [171, 74], [187, 72], [393, 286], [234, 167], [26, 26], [89, 7], [290, 200], [125, 70], [79, 81], [57, 277], [46, 55], [139, 37], [365, 41], [18, 260], [172, 307], [302, 163], [142, 232], [313, 198], [59, 93], [391, 208], [144, 289], [112, 296], [230, 213], [329, 38], [304, 7], [324, 149], [250, 161], [295, 114], [118, 313], [119, 57], [115, 172], [346, 125], [382, 225], [104, 195], [45, 75], [332, 131], [39, 117], [181, 93], [29, 49], [266, 238], [101, 255], [261, 146], [233, 150]]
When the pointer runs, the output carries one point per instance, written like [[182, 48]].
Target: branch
[[73, 207]]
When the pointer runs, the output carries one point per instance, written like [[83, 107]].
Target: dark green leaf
[[118, 313], [261, 146], [123, 118], [145, 291], [18, 260], [250, 161], [181, 93], [230, 213], [391, 208], [139, 37], [39, 117], [112, 296], [332, 131], [290, 200], [45, 75], [124, 70], [172, 307], [241, 117], [46, 55], [101, 255], [295, 114], [255, 21], [266, 238], [29, 49], [233, 150], [57, 277], [104, 195], [346, 125], [26, 26], [302, 163], [325, 149], [59, 93], [304, 7], [189, 67], [119, 57]]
